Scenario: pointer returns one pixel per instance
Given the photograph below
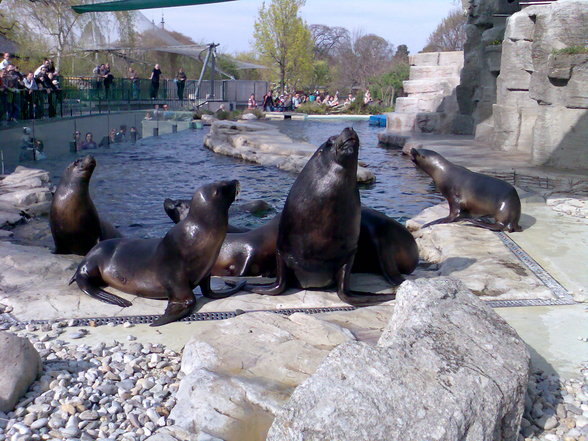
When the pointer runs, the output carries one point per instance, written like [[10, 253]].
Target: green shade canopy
[[127, 5]]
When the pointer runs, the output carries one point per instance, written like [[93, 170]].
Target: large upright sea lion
[[385, 247], [319, 228], [168, 268], [471, 195], [74, 221]]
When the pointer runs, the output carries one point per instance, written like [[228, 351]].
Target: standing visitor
[[268, 102], [155, 81], [181, 83], [135, 84], [251, 104], [31, 91], [108, 79]]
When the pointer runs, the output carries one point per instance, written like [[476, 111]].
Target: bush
[[312, 108], [257, 112]]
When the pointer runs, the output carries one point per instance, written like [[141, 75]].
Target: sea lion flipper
[[103, 296], [357, 298], [276, 288], [489, 226], [86, 286], [218, 294], [174, 311]]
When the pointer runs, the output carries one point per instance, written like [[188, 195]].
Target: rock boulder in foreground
[[447, 368], [20, 364]]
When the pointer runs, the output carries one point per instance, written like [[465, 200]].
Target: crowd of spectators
[[291, 101], [34, 94]]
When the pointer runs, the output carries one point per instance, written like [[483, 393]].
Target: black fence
[[88, 95]]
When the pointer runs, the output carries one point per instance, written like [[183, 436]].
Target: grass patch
[[572, 50]]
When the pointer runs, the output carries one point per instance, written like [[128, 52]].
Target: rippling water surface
[[131, 182]]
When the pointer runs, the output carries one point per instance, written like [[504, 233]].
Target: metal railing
[[89, 95]]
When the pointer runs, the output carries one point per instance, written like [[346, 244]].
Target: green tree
[[284, 41]]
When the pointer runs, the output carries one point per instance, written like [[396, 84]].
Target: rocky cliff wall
[[542, 94], [477, 90]]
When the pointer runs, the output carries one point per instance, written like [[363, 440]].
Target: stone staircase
[[431, 104]]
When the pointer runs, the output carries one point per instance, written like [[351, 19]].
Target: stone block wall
[[542, 96], [431, 105], [476, 93]]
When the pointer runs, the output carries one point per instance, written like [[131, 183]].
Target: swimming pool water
[[130, 182]]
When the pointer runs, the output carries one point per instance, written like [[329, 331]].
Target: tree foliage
[[284, 41], [450, 35], [58, 20]]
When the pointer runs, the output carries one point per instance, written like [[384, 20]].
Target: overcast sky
[[231, 24]]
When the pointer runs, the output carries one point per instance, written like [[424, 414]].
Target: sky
[[231, 23]]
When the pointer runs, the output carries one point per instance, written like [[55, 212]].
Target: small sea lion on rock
[[319, 228], [168, 268], [74, 221], [471, 195]]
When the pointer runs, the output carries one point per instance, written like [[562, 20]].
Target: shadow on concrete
[[527, 221], [572, 152]]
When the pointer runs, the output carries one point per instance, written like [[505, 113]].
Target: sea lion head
[[219, 194], [426, 159], [176, 209], [81, 168], [345, 146]]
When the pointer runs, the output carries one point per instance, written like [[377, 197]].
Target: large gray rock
[[446, 368], [240, 373], [20, 365], [264, 144]]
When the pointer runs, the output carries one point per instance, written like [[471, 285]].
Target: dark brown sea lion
[[385, 247], [74, 221], [471, 195], [177, 209], [168, 268], [319, 228]]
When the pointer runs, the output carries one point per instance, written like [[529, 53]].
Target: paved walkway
[[559, 244]]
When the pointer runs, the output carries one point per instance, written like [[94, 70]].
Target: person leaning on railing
[[13, 85], [31, 91]]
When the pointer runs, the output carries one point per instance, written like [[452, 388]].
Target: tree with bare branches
[[450, 35]]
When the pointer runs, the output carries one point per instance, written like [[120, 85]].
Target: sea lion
[[177, 209], [74, 221], [319, 228], [471, 195], [246, 253], [168, 268], [385, 247]]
